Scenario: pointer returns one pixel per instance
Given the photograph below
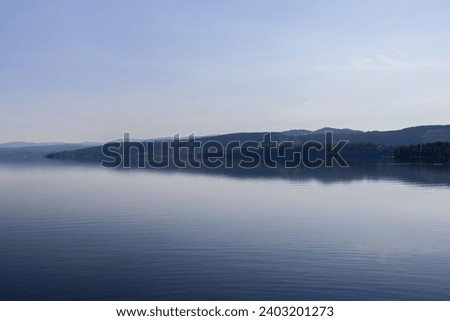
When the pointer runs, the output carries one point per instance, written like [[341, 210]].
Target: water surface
[[74, 232]]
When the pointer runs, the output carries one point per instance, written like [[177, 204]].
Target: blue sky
[[90, 70]]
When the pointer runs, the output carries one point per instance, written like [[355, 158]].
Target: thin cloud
[[396, 61]]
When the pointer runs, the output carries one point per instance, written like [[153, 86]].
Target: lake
[[79, 232]]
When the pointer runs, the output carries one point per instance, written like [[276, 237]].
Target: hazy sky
[[90, 70]]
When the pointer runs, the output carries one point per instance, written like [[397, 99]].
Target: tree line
[[438, 152]]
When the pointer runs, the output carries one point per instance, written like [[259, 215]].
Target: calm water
[[85, 233]]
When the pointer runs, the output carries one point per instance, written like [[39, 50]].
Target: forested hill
[[372, 144], [406, 136]]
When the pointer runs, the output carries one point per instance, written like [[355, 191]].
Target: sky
[[90, 70]]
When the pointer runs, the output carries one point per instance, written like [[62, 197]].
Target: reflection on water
[[79, 232]]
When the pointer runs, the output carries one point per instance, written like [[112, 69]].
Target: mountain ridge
[[371, 144]]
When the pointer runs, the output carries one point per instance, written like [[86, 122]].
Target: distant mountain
[[30, 152], [44, 144], [27, 144], [406, 136], [301, 132], [297, 132], [337, 130], [362, 145]]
